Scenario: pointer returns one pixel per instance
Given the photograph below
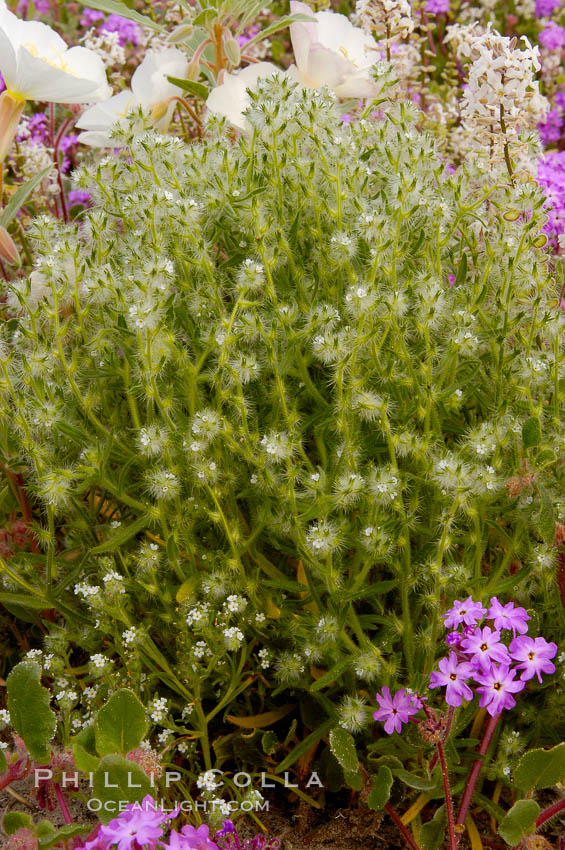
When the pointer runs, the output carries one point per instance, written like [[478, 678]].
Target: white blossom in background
[[106, 45], [390, 20], [502, 100], [230, 98], [150, 91], [332, 52]]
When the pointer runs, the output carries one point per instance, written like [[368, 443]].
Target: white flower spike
[[332, 52]]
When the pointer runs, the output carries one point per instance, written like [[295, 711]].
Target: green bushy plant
[[280, 396]]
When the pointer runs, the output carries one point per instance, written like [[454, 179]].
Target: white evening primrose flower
[[38, 65], [332, 52], [150, 90], [231, 97]]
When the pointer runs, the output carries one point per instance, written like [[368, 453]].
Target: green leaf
[[206, 17], [414, 781], [84, 750], [541, 768], [30, 714], [25, 601], [462, 270], [519, 822], [118, 781], [121, 724], [113, 7], [531, 432], [305, 745], [43, 828], [64, 833], [433, 833], [380, 793], [545, 517], [280, 24], [19, 197], [3, 762], [16, 820], [331, 676], [342, 746], [197, 89], [270, 743], [123, 535], [354, 779]]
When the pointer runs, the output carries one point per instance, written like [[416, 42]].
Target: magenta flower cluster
[[479, 657], [141, 825]]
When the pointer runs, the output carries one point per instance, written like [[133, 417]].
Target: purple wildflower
[[139, 824], [42, 7], [551, 127], [79, 196], [90, 17], [190, 839], [496, 688], [395, 710], [248, 34], [552, 37], [534, 655], [437, 7], [551, 176], [546, 8], [484, 647], [508, 616], [128, 31], [453, 674], [467, 612]]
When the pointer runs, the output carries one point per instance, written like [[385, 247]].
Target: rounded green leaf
[[120, 725], [382, 783], [519, 822], [84, 750], [541, 768], [16, 820], [30, 714], [342, 746], [117, 780], [432, 834]]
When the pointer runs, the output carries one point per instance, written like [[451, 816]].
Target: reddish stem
[[56, 144], [550, 812], [401, 827], [475, 770], [448, 800], [62, 803]]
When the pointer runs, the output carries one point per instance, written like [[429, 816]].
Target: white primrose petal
[[230, 98], [332, 52], [149, 82], [37, 64], [99, 120], [302, 34]]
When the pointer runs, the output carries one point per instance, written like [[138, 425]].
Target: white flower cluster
[[87, 591], [502, 98], [323, 537], [158, 709], [198, 614], [235, 604], [388, 19], [233, 637], [4, 716], [207, 781], [106, 45], [98, 660], [129, 635]]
